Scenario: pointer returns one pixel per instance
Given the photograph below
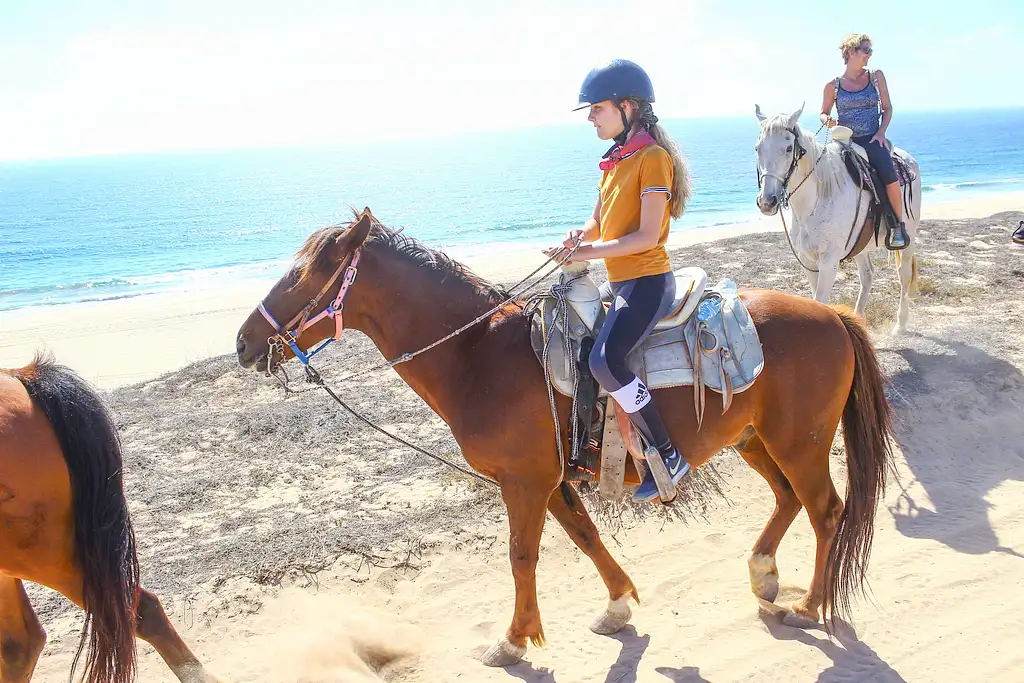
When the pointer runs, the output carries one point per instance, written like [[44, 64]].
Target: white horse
[[829, 209]]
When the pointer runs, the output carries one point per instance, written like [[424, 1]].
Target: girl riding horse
[[643, 186]]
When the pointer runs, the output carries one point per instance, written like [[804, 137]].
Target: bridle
[[798, 154], [287, 335]]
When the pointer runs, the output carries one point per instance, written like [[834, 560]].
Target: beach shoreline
[[122, 341]]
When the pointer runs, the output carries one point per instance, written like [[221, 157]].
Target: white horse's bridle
[[798, 154]]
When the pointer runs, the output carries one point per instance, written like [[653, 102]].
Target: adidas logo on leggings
[[641, 394], [633, 396]]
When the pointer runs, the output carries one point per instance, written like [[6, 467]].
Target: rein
[[288, 335], [314, 377]]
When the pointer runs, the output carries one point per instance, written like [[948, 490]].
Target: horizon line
[[335, 145]]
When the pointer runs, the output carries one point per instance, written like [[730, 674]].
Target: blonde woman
[[643, 185], [861, 99]]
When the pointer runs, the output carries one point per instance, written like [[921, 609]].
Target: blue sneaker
[[677, 469]]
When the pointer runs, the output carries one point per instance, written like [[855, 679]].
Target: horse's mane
[[828, 172], [315, 256]]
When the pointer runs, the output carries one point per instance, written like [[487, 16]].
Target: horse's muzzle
[[769, 205], [246, 362], [249, 357]]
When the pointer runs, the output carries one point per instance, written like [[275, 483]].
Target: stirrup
[[1018, 234], [659, 483], [888, 238]]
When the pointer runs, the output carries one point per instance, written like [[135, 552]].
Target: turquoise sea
[[100, 228]]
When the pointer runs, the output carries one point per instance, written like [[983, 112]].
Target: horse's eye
[[790, 148]]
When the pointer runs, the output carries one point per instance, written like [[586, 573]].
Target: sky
[[83, 77]]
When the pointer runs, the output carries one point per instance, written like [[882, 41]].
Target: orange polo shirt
[[649, 169]]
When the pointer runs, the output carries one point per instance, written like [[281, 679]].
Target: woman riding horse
[[644, 185], [859, 96]]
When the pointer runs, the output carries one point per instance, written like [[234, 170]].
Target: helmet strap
[[620, 139]]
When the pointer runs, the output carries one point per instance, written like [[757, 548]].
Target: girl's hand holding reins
[[561, 253], [573, 238]]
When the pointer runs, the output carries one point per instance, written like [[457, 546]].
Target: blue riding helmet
[[615, 81]]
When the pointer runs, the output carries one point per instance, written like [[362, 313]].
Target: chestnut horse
[[488, 386], [64, 524]]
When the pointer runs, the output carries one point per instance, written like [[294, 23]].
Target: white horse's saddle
[[844, 137], [861, 172]]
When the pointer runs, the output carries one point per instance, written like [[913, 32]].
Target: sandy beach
[[114, 343], [310, 550]]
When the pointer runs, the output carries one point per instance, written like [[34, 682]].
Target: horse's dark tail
[[104, 538], [867, 429]]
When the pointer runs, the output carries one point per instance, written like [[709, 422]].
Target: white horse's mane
[[828, 172]]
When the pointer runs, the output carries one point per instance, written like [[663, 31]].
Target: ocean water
[[110, 227]]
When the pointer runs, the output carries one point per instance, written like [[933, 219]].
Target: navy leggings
[[636, 306], [881, 159]]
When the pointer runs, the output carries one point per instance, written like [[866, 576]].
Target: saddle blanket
[[859, 168]]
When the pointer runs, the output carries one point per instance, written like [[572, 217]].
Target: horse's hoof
[[614, 618], [798, 618], [764, 577], [503, 653]]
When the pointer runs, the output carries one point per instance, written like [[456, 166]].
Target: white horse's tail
[[912, 287]]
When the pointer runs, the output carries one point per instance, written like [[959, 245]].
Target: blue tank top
[[859, 111]]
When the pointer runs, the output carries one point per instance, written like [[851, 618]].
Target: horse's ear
[[794, 118], [353, 238], [758, 114]]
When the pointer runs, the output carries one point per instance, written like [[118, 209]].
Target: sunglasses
[[865, 50]]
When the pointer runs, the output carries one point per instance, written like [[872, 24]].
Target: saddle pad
[[860, 172], [690, 283]]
